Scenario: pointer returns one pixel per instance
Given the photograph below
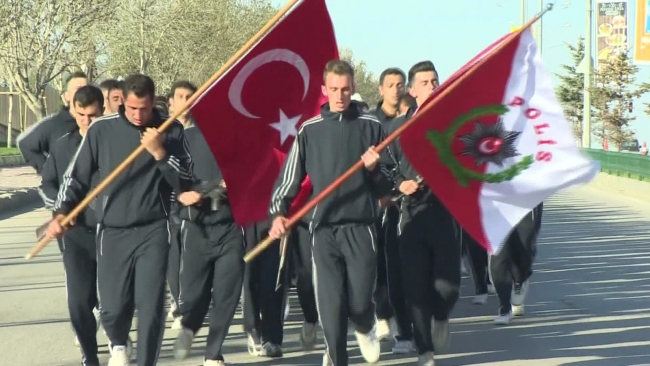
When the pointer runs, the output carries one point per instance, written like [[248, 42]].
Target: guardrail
[[628, 165]]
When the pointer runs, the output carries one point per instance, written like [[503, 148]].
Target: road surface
[[589, 302]]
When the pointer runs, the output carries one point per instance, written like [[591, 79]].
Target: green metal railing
[[629, 165]]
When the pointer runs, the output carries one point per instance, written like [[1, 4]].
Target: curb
[[19, 200], [11, 160], [622, 186]]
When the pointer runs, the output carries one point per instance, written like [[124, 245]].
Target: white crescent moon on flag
[[487, 147], [281, 55]]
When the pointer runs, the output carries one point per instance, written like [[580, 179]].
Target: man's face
[[424, 83], [138, 110], [72, 88], [114, 100], [338, 89], [85, 115], [178, 100], [391, 89]]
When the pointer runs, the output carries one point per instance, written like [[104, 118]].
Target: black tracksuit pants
[[174, 263], [478, 261], [514, 263], [383, 308], [300, 242], [263, 305], [394, 274], [345, 267], [131, 271], [80, 262], [212, 268], [431, 267]]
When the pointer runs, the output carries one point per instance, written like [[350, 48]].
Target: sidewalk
[[18, 187]]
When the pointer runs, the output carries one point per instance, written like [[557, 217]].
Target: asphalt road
[[589, 302]]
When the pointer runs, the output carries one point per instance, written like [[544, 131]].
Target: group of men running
[[381, 251]]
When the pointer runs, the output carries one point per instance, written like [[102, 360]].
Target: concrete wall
[[623, 186]]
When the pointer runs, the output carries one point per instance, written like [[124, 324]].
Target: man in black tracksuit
[[35, 143], [78, 243], [342, 225], [212, 264], [389, 277], [429, 250], [132, 235]]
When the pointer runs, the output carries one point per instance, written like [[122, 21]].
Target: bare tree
[[42, 41], [189, 39], [366, 82]]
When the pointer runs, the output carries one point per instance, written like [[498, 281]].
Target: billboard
[[642, 33], [611, 29]]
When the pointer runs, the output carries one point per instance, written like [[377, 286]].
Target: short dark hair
[[391, 71], [182, 84], [407, 99], [161, 103], [75, 75], [87, 96], [108, 84], [140, 85], [422, 66], [338, 67]]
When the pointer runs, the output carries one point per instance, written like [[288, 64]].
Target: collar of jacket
[[350, 114]]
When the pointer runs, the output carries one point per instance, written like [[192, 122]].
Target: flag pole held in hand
[[120, 168], [437, 95]]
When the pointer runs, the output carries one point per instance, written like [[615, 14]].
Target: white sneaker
[[519, 293], [129, 347], [491, 289], [119, 356], [383, 329], [369, 345], [213, 363], [441, 335], [481, 299], [503, 319], [183, 344], [308, 336], [177, 324], [426, 359], [518, 310], [403, 347]]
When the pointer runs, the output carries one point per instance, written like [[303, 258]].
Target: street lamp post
[[586, 112]]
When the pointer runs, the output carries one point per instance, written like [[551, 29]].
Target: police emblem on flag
[[486, 144], [490, 143]]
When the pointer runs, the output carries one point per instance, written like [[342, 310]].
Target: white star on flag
[[286, 126]]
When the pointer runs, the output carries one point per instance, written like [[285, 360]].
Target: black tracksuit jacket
[[53, 171], [141, 193], [325, 148], [35, 143]]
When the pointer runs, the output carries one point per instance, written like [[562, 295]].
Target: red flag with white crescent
[[253, 112]]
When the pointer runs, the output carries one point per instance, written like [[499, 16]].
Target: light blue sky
[[387, 33]]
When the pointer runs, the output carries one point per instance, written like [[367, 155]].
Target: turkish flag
[[250, 116]]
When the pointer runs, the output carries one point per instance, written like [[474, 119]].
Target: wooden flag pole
[[294, 219], [120, 168]]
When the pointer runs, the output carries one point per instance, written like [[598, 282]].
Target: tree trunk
[[10, 109], [33, 99]]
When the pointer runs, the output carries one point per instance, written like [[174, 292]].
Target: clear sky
[[387, 33]]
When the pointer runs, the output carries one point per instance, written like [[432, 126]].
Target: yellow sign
[[642, 33], [611, 29]]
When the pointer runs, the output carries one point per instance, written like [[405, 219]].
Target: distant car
[[631, 146]]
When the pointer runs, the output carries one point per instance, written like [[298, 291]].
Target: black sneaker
[[271, 350]]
